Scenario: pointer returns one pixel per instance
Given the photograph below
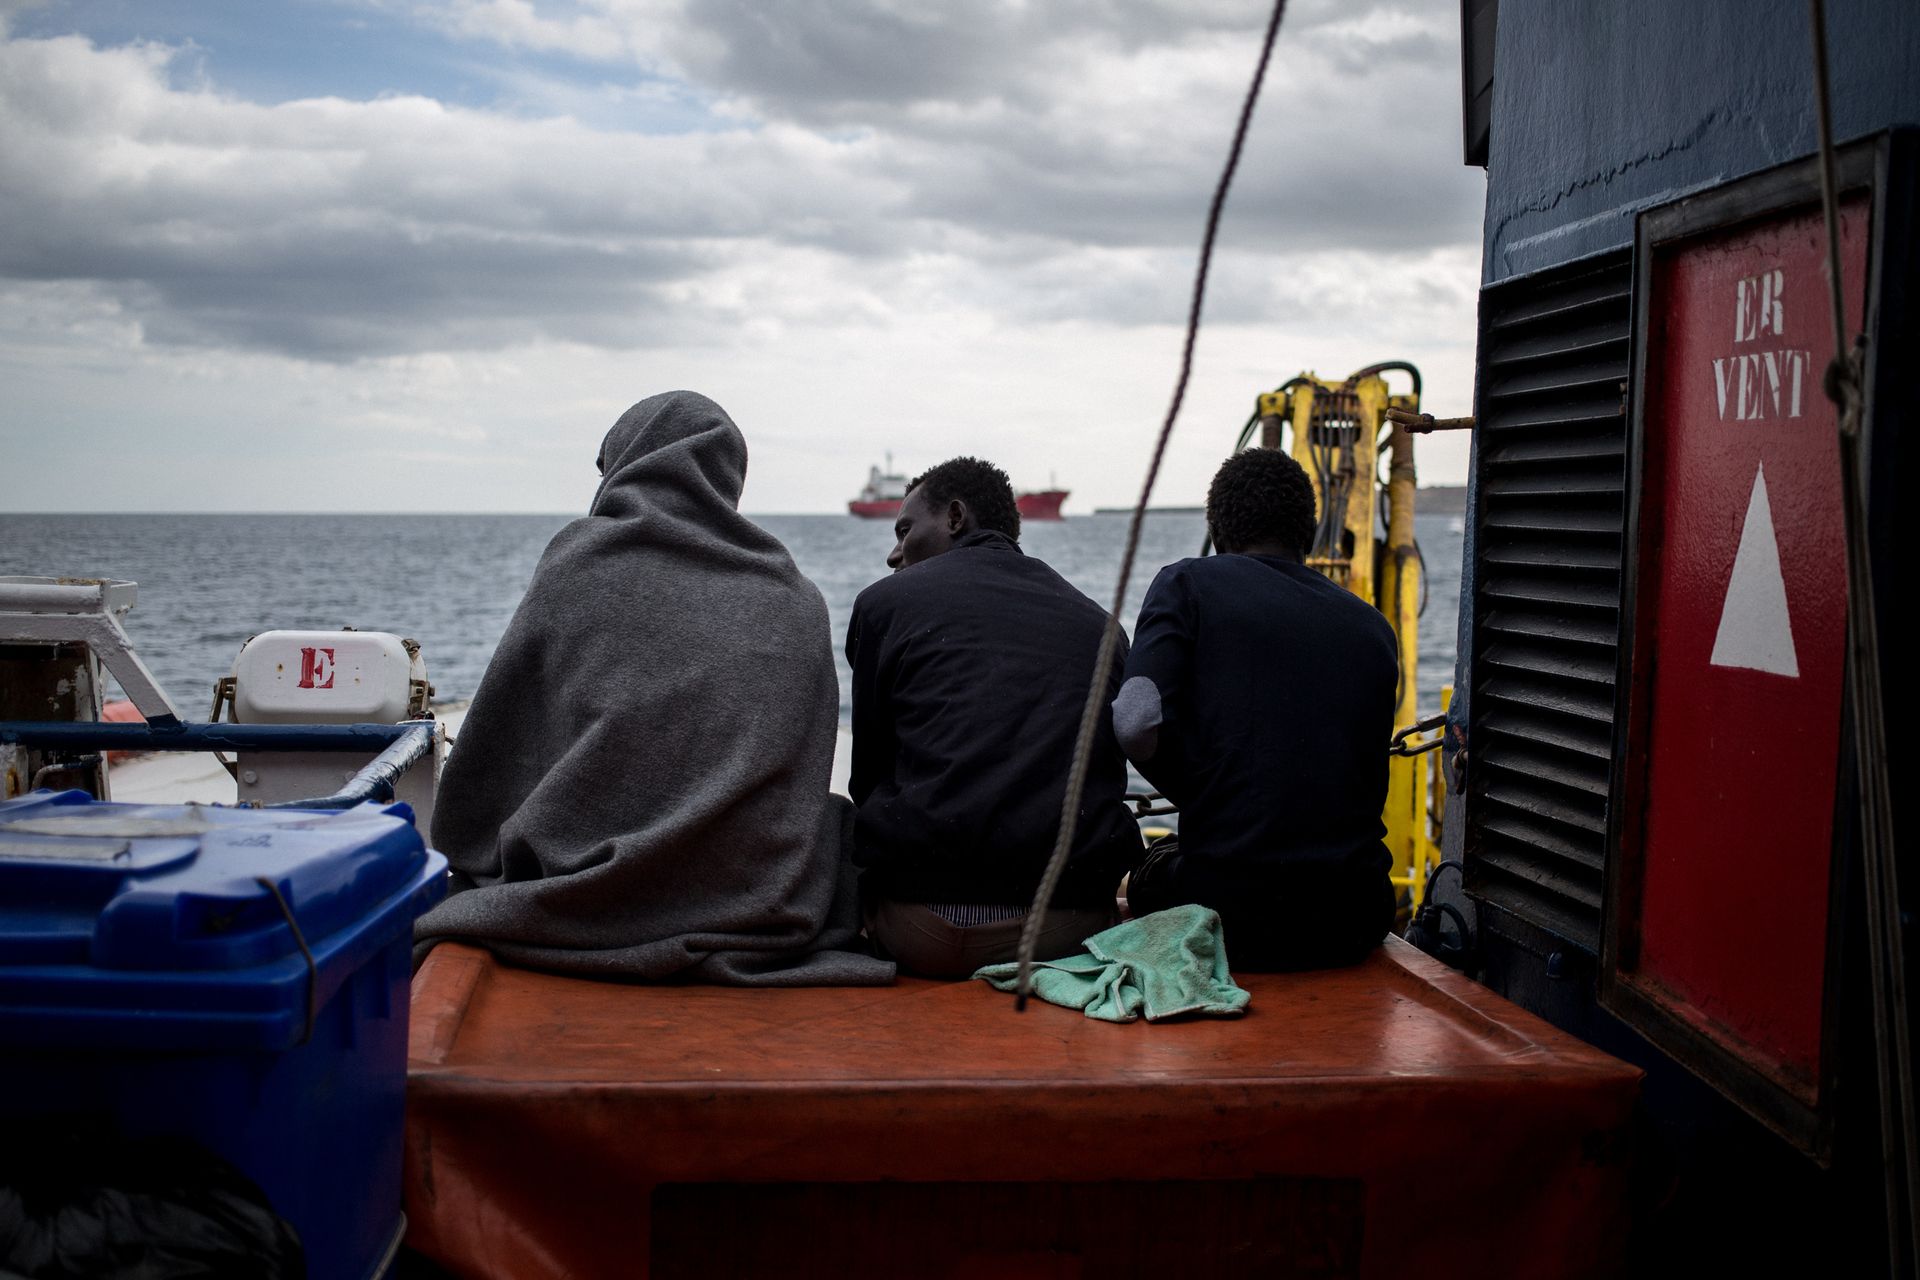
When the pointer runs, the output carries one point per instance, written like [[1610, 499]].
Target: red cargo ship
[[880, 499], [1044, 505]]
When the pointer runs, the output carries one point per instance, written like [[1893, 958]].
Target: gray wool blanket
[[640, 787]]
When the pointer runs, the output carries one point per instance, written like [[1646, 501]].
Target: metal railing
[[400, 747]]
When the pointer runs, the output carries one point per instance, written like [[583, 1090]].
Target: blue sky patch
[[293, 49]]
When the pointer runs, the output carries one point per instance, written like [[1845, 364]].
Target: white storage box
[[330, 677], [326, 677]]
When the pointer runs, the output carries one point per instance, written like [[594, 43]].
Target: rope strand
[[1110, 638]]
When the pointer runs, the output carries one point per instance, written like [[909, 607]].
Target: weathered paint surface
[[1601, 110]]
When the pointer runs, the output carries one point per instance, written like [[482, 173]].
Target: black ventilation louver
[[1552, 434]]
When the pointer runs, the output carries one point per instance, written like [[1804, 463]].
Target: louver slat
[[1555, 769], [1576, 699], [1552, 447], [1563, 519], [1558, 446], [1547, 660], [1551, 587], [1550, 803], [1599, 289], [1600, 414], [1540, 378], [1553, 480], [1598, 554], [1592, 337], [1535, 728]]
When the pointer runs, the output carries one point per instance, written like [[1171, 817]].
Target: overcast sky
[[391, 255]]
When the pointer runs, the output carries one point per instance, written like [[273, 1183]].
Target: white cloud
[[894, 226]]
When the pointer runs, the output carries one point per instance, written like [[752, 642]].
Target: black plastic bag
[[82, 1202]]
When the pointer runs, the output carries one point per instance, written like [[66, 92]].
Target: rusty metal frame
[[1789, 188]]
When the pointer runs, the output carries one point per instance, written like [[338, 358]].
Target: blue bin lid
[[142, 911]]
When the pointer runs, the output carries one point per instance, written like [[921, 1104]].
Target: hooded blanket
[[640, 787]]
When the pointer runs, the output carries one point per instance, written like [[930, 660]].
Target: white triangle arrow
[[1756, 631]]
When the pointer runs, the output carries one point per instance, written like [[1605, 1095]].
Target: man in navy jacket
[[1259, 698], [970, 668]]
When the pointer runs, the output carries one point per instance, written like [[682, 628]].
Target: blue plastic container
[[150, 977]]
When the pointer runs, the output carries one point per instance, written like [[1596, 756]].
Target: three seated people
[[640, 789]]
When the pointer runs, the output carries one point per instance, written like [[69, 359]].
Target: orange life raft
[[120, 711], [1389, 1120]]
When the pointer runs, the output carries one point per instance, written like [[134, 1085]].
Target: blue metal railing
[[400, 746]]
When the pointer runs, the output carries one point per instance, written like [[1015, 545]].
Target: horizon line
[[311, 511]]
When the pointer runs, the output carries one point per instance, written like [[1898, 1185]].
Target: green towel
[[1170, 963]]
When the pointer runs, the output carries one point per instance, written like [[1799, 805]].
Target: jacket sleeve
[[1149, 710], [873, 740]]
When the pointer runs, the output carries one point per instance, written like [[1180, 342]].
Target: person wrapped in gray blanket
[[639, 790]]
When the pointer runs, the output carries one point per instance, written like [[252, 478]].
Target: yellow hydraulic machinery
[[1341, 434]]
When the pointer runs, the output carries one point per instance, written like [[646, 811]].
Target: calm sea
[[207, 582]]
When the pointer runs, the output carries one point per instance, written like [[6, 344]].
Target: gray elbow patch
[[1136, 718]]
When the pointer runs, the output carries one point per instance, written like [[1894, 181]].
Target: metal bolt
[[249, 776]]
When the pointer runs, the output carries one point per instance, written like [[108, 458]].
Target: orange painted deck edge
[[543, 1110]]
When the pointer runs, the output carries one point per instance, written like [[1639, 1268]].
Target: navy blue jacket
[[970, 670], [1259, 697]]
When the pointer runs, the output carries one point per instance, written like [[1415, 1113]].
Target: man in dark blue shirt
[[1259, 698], [970, 669]]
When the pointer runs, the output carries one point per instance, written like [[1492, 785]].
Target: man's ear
[[957, 517]]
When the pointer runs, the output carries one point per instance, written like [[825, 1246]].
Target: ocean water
[[207, 582]]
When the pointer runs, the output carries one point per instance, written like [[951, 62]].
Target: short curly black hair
[[981, 485], [1261, 496]]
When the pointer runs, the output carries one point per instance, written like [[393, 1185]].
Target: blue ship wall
[[1602, 108]]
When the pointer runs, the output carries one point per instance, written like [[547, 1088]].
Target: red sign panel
[[1740, 614]]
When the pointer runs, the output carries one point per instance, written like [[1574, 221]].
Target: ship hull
[[1044, 505], [1033, 506]]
